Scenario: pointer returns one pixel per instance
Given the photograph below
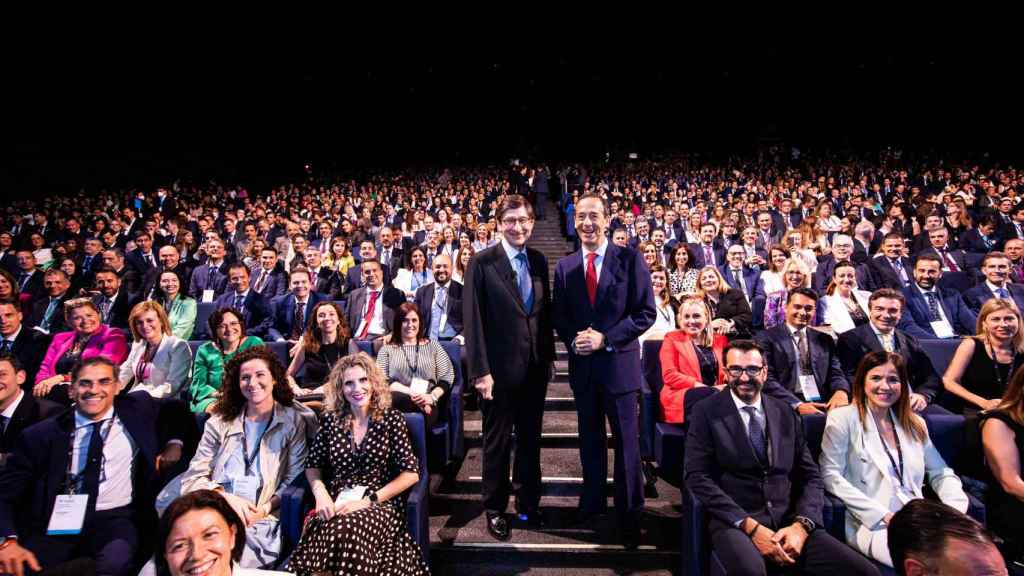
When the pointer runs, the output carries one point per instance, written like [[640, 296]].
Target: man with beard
[[748, 464], [933, 312]]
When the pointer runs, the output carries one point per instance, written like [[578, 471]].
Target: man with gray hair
[[842, 250]]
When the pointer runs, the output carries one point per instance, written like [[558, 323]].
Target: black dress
[[984, 377], [1004, 512], [318, 365], [373, 540], [708, 364]]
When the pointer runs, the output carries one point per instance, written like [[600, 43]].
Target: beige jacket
[[282, 452]]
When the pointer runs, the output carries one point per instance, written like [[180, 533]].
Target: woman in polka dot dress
[[359, 467]]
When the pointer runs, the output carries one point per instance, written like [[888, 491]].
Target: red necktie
[[950, 262], [592, 278], [369, 315]]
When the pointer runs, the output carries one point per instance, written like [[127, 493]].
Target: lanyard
[[899, 449], [415, 367], [256, 451], [74, 479]]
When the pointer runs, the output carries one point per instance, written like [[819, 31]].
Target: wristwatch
[[807, 523]]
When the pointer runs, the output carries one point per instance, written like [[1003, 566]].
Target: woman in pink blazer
[[89, 337], [690, 357]]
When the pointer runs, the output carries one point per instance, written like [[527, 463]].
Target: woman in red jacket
[[690, 357]]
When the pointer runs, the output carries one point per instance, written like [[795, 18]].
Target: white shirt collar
[[510, 250], [9, 413], [740, 404], [601, 249], [82, 421], [880, 334], [992, 287], [923, 291], [14, 336], [793, 331]]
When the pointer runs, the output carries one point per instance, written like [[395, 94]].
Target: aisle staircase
[[460, 543]]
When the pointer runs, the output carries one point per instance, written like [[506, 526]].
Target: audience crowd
[[139, 325]]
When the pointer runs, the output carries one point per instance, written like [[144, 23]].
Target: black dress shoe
[[497, 525]]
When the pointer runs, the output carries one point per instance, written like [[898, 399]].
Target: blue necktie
[[238, 301], [757, 438], [525, 282], [933, 307], [1002, 293]]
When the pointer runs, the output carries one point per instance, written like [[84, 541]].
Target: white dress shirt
[[119, 452], [599, 261]]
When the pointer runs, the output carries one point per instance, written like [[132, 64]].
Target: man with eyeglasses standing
[[509, 347], [748, 464], [603, 301]]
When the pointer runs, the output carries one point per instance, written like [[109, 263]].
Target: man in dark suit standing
[[509, 351], [292, 310], [803, 367], [440, 302], [603, 301], [108, 449], [933, 312], [885, 307], [255, 308], [996, 267], [18, 409], [748, 464], [891, 269]]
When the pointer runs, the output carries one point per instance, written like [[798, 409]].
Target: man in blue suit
[[603, 301], [996, 267], [932, 312], [288, 321], [109, 447], [741, 277], [254, 307]]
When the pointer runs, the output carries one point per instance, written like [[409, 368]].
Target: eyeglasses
[[736, 371], [510, 222]]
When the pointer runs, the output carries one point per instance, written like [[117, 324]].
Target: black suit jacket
[[972, 242], [36, 470], [29, 411], [883, 275], [34, 285], [425, 303], [137, 262], [855, 344], [725, 476], [503, 338], [958, 256], [120, 309], [57, 323], [698, 254], [733, 305], [256, 309], [780, 358], [329, 282], [30, 349]]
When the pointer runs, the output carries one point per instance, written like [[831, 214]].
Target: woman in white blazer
[[876, 452], [159, 362], [846, 307]]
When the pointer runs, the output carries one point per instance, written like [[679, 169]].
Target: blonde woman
[[159, 363], [794, 275], [690, 356], [983, 364], [730, 312], [364, 444]]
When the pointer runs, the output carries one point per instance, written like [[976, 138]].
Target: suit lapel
[[576, 280], [773, 423], [873, 443], [504, 269], [609, 271], [871, 339], [786, 341]]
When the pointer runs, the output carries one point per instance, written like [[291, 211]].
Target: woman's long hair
[[313, 336], [904, 415], [994, 305], [380, 394]]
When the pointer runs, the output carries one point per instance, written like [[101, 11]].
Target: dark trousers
[[822, 554], [403, 403], [519, 408], [592, 408], [109, 537]]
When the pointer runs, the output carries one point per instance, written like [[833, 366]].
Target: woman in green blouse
[[228, 328], [181, 310]]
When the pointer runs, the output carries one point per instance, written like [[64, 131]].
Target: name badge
[[419, 385], [68, 514], [207, 295], [942, 329], [350, 494], [246, 487], [810, 388]]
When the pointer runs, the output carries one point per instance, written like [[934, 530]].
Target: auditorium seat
[[203, 312], [297, 499], [666, 440]]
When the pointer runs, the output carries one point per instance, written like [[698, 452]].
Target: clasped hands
[[588, 341], [327, 508], [782, 546], [249, 512]]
